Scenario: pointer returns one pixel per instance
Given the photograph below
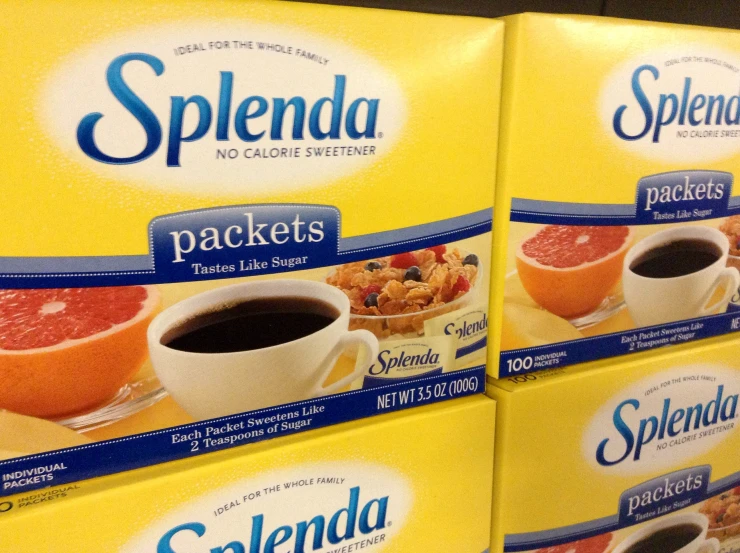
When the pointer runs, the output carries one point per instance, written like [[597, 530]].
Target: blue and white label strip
[[101, 458], [652, 499], [520, 361], [236, 241], [675, 197]]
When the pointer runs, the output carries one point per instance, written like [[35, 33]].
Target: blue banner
[[236, 241], [674, 197], [528, 360], [682, 196], [101, 458], [243, 241], [664, 495], [375, 381]]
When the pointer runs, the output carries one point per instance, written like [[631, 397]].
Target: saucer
[[131, 398]]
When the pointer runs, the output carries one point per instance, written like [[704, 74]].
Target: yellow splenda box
[[273, 214], [617, 224], [639, 456], [390, 485]]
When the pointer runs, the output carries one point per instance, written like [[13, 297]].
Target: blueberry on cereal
[[412, 273], [371, 300], [373, 266], [367, 290], [471, 259]]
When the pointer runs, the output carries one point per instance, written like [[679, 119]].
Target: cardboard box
[[617, 226], [248, 212], [393, 483], [608, 456]]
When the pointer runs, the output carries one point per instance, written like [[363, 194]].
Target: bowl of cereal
[[730, 227], [723, 512], [394, 295]]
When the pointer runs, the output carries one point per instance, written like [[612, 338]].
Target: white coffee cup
[[654, 301], [700, 544], [209, 385]]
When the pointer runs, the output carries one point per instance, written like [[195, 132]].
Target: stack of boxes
[[225, 224], [170, 167], [615, 245]]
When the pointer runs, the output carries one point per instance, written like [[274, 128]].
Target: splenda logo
[[306, 508], [393, 359], [672, 423], [679, 104], [222, 121], [343, 525], [692, 109], [252, 118], [664, 421]]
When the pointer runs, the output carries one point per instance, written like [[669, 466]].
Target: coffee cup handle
[[731, 277], [354, 337], [712, 545]]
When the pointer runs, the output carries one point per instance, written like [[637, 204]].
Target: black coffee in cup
[[678, 258], [252, 324], [667, 540]]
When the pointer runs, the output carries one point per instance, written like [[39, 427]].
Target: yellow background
[[442, 166]]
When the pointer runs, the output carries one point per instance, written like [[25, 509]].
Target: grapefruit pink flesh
[[569, 270], [563, 247], [597, 544], [63, 351], [32, 319]]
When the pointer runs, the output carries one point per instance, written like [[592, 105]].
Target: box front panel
[[601, 458], [618, 214], [250, 209]]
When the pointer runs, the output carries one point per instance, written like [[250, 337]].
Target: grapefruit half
[[569, 270], [66, 350], [597, 544]]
